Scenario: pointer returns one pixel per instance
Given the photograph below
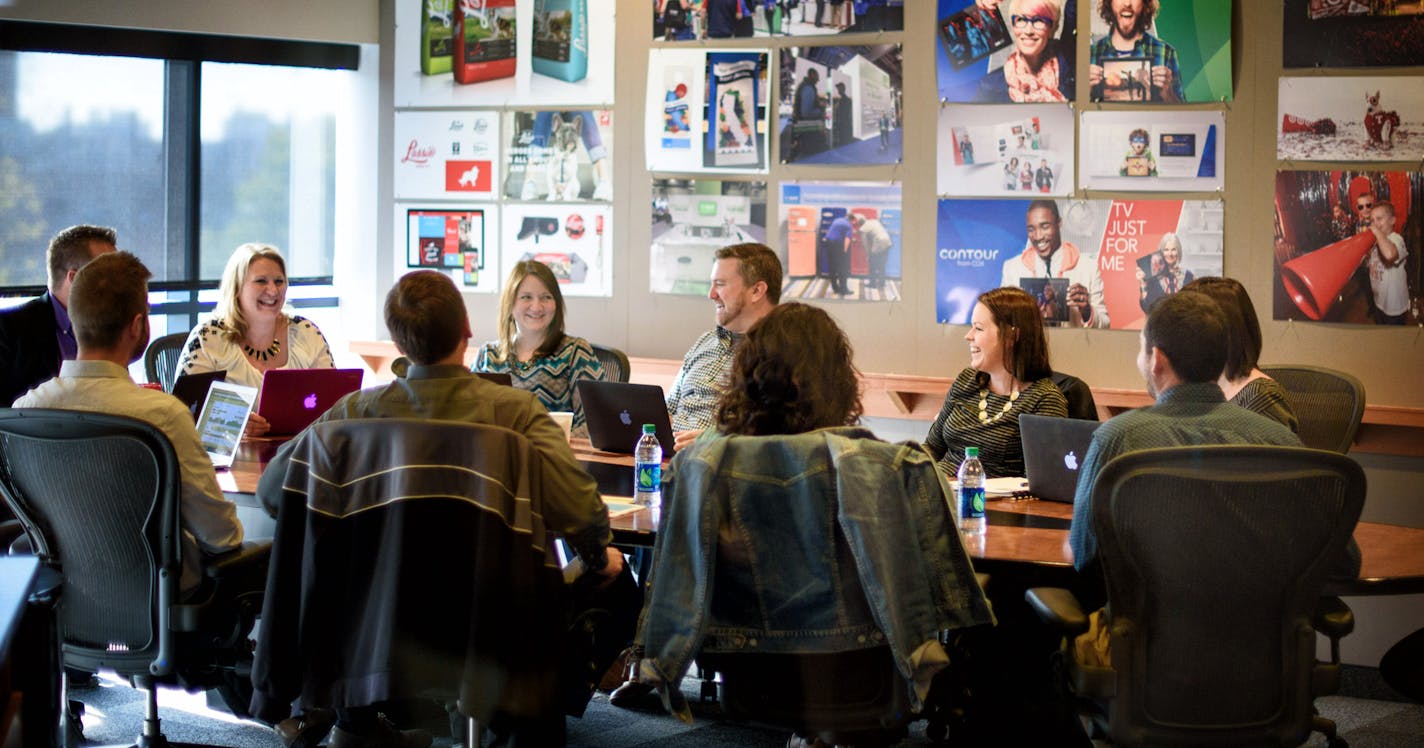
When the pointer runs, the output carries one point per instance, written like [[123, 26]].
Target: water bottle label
[[971, 502], [648, 476]]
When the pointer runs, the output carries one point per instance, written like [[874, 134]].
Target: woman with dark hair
[[1241, 381], [532, 347], [792, 374], [1008, 375]]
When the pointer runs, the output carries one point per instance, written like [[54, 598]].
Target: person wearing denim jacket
[[776, 503]]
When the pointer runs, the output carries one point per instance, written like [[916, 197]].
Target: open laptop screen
[[222, 420]]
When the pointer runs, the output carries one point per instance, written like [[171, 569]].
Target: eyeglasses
[[1138, 141], [1039, 23], [1362, 206]]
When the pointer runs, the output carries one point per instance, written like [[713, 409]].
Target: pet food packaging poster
[[981, 56], [839, 105], [1352, 33], [842, 240], [1351, 119], [1152, 150], [1007, 149], [706, 110], [1179, 51], [1115, 257], [563, 53], [559, 155], [460, 240], [574, 240], [446, 155], [692, 219], [1346, 246], [679, 20]]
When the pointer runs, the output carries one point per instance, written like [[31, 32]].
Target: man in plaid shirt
[[1128, 21]]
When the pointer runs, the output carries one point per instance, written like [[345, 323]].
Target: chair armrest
[[1333, 618], [1058, 607], [237, 560]]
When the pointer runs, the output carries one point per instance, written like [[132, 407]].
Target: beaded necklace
[[984, 417], [269, 352]]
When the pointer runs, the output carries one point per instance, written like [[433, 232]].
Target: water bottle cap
[[649, 428], [971, 452]]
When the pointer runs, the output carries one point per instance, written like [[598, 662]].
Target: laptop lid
[[498, 377], [222, 420], [1053, 449], [616, 411], [192, 389], [292, 398]]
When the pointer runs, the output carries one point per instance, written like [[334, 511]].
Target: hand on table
[[256, 425]]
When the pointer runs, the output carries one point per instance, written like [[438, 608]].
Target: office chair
[[615, 363], [160, 361], [1329, 404], [1214, 558], [1078, 395], [119, 604]]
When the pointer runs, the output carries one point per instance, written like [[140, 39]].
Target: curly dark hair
[[793, 373]]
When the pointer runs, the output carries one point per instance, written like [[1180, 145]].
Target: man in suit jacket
[[37, 335]]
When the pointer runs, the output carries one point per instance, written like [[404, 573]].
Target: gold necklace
[[984, 405], [262, 355]]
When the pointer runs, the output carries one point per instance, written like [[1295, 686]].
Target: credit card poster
[[692, 219], [982, 57], [838, 105], [456, 240], [1346, 246], [1116, 257], [464, 53], [1352, 34], [1351, 119], [678, 20], [1005, 150], [575, 241], [1152, 151], [1128, 58], [684, 86], [446, 155], [559, 155], [842, 239]]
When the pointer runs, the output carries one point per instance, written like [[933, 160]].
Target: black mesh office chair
[[115, 541], [1329, 404], [160, 361], [615, 363], [1078, 395], [1214, 558]]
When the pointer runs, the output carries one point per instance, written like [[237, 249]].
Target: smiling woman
[[1037, 70]]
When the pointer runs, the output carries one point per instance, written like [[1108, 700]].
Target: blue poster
[[971, 244], [993, 55]]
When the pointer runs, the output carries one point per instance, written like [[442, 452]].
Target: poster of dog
[[559, 156], [1376, 118], [446, 155]]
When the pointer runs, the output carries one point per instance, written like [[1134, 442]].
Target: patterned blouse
[[210, 349], [958, 425], [551, 378], [1268, 397]]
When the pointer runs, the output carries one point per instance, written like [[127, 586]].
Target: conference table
[[1019, 533]]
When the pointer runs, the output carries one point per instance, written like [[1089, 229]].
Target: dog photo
[[1375, 118], [559, 156]]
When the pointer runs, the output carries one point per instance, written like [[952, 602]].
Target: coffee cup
[[565, 419]]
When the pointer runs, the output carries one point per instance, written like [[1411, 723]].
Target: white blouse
[[209, 349]]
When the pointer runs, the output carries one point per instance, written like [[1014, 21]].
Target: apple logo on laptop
[[625, 418], [309, 402], [1071, 460]]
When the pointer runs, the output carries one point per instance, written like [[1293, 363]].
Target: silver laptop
[[222, 420], [1053, 450]]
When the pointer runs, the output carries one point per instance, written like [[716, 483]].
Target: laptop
[[1053, 449], [222, 420], [192, 389], [292, 398], [616, 411], [498, 377]]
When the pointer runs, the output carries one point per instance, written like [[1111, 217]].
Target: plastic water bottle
[[971, 493], [648, 468]]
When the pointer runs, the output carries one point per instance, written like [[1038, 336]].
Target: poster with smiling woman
[[1006, 50]]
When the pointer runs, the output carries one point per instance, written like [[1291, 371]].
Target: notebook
[[616, 411], [222, 420], [192, 389], [1053, 449], [292, 398]]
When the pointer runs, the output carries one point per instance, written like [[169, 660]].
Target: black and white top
[[958, 424]]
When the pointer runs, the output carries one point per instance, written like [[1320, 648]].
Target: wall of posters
[[1351, 119], [1152, 150], [981, 56], [1005, 150], [842, 240], [1107, 260], [458, 240], [575, 241], [1346, 246], [692, 219], [840, 105], [1352, 34], [559, 156], [706, 111], [446, 155], [1181, 52], [513, 56], [680, 21]]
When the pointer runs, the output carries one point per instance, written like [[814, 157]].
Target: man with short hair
[[1128, 21], [108, 303], [37, 335], [746, 285], [837, 244], [877, 242], [1048, 256]]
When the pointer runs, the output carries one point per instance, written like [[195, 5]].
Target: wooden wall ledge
[[1386, 429]]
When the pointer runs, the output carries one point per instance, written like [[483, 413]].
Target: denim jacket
[[819, 542]]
